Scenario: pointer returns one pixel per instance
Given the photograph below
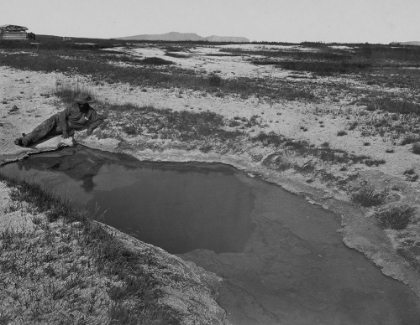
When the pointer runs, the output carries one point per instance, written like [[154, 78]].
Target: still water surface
[[282, 259]]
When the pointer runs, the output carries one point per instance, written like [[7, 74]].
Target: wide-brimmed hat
[[84, 99]]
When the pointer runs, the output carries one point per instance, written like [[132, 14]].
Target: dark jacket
[[73, 118]]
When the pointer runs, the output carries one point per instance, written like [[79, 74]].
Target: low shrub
[[397, 218], [410, 171], [416, 148], [410, 139], [367, 197], [214, 80], [156, 61], [353, 126], [234, 123], [324, 68], [391, 105], [205, 148], [176, 55], [374, 162], [170, 48], [130, 130], [268, 139], [300, 145]]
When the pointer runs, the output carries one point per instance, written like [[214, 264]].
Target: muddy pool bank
[[282, 258]]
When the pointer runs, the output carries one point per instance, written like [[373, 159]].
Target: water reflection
[[177, 207], [80, 165]]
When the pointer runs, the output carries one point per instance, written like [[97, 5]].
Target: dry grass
[[67, 93], [147, 73], [368, 197], [397, 218], [69, 270]]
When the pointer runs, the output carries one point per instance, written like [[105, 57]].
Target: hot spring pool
[[282, 259]]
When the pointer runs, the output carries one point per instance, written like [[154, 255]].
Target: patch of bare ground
[[341, 129]]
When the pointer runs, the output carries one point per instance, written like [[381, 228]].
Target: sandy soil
[[31, 92]]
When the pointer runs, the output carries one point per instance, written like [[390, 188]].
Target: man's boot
[[22, 142], [18, 142]]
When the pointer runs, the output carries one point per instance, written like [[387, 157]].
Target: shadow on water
[[177, 207], [282, 259]]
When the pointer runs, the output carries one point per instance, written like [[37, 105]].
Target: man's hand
[[89, 132], [65, 134]]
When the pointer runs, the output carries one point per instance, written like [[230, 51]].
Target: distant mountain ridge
[[175, 36]]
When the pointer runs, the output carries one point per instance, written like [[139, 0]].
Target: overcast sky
[[352, 21]]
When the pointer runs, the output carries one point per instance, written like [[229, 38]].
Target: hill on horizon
[[175, 36]]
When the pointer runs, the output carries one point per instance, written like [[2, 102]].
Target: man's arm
[[96, 120], [63, 117]]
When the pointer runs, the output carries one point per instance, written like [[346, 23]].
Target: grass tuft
[[353, 126], [269, 139], [214, 80], [367, 197], [397, 218], [416, 148], [69, 92]]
